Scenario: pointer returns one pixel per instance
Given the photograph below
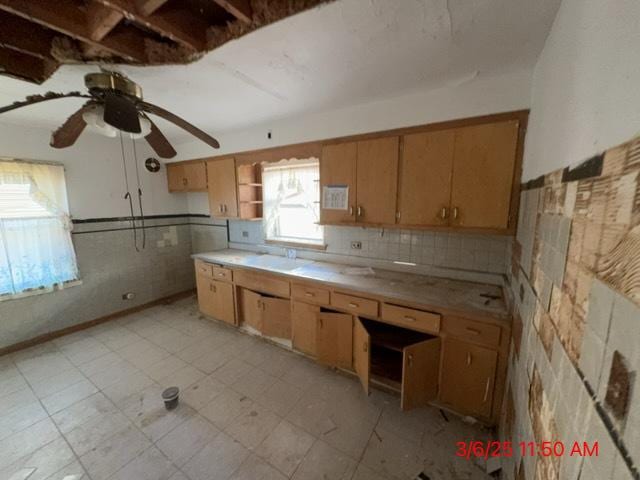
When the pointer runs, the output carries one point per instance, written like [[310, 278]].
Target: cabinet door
[[338, 167], [426, 166], [223, 197], [224, 304], [467, 379], [334, 339], [377, 180], [196, 175], [176, 180], [206, 295], [420, 373], [251, 305], [361, 353], [276, 317], [483, 167], [304, 318]]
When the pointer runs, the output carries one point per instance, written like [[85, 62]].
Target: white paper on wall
[[335, 197]]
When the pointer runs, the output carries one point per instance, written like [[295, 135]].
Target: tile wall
[[109, 267], [573, 370], [434, 251]]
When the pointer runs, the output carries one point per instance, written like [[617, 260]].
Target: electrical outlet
[[245, 234], [356, 245], [128, 296]]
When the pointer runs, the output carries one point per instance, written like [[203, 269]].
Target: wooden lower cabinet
[[304, 320], [270, 316], [215, 299], [468, 377], [397, 357], [334, 339]]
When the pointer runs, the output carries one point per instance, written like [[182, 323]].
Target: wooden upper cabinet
[[338, 167], [426, 167], [223, 196], [377, 180], [483, 168], [187, 177], [196, 176]]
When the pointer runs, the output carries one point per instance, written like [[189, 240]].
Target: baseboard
[[92, 323]]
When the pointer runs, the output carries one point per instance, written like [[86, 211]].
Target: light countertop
[[453, 295]]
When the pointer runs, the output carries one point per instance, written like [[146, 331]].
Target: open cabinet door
[[251, 309], [420, 368], [334, 333], [276, 317], [361, 353]]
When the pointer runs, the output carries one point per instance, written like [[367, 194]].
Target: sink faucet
[[291, 253]]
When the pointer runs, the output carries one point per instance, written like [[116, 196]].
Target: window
[[291, 194], [35, 229]]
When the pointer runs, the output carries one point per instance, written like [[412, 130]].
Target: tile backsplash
[[482, 253]]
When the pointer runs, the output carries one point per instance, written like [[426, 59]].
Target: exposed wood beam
[[185, 31], [68, 19], [23, 36], [147, 7], [25, 67], [241, 9], [101, 20]]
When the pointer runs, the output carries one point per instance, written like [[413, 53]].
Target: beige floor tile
[[112, 373], [149, 465], [73, 471], [26, 442], [365, 473], [84, 350], [232, 370], [20, 417], [187, 439], [253, 426], [55, 383], [217, 460], [212, 360], [324, 462], [83, 411], [280, 397], [201, 393], [253, 383], [254, 468], [114, 453], [182, 378], [11, 380], [70, 395], [164, 367], [96, 430], [44, 463], [226, 407], [285, 447], [100, 364], [16, 399], [391, 455], [127, 385]]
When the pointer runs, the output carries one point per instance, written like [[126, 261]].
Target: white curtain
[[36, 250], [292, 200]]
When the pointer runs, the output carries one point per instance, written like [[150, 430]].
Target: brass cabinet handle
[[309, 294], [455, 213], [486, 390], [221, 274], [409, 319], [468, 359], [351, 211], [411, 360], [444, 213], [359, 212], [353, 305]]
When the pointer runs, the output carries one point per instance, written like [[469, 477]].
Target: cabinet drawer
[[203, 268], [318, 296], [408, 317], [472, 331], [222, 274], [362, 306], [262, 283]]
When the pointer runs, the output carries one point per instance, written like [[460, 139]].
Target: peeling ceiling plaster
[[339, 54]]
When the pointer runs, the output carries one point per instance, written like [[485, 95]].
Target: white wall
[[94, 173], [469, 97], [586, 84]]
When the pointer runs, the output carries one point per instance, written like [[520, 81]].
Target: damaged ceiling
[[37, 37], [338, 54]]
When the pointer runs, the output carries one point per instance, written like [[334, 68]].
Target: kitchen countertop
[[454, 295]]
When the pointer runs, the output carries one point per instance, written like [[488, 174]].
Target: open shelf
[[250, 191]]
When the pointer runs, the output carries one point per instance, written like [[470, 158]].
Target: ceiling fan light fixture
[[93, 116]]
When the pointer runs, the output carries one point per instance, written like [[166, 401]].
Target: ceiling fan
[[115, 104]]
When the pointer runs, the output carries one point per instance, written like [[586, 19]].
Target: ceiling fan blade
[[68, 133], [120, 112], [159, 142], [196, 132], [41, 98]]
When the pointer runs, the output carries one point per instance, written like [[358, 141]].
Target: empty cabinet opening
[[388, 345]]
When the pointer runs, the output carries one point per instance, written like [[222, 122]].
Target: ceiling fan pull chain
[[135, 159], [127, 196]]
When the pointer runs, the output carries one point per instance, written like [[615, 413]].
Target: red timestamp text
[[554, 448]]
